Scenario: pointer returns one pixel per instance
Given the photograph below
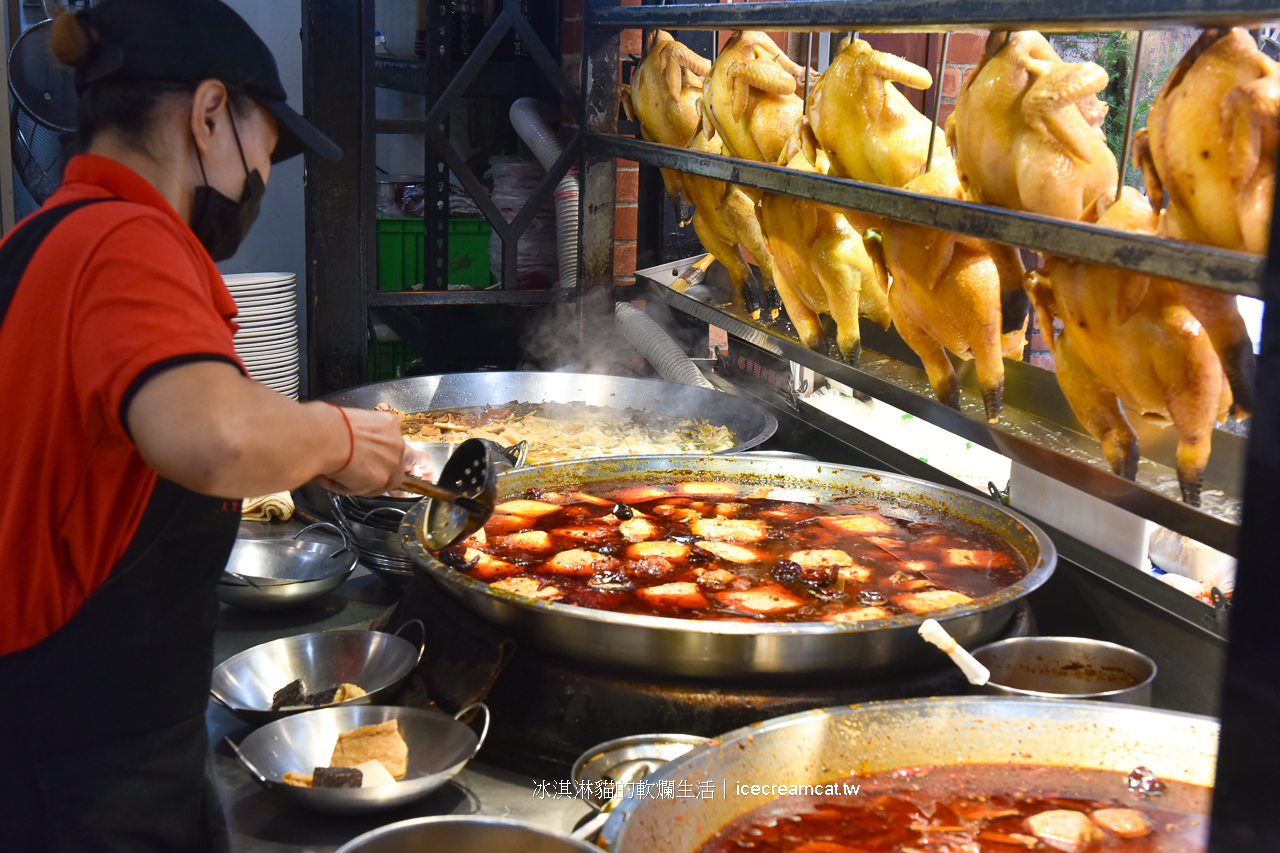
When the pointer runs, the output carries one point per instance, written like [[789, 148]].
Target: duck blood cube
[[336, 777], [292, 693]]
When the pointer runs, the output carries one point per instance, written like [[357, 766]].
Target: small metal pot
[[1067, 668], [275, 574], [490, 834]]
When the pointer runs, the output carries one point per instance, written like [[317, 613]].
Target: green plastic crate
[[400, 253]]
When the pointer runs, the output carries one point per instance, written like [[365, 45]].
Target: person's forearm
[[208, 428]]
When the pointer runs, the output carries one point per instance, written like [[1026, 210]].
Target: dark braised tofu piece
[[291, 694], [336, 777]]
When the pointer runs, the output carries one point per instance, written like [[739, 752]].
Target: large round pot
[[691, 647], [816, 747]]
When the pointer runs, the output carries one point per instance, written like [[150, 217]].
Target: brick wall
[[963, 53]]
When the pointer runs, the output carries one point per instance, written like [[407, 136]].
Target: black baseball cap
[[186, 41]]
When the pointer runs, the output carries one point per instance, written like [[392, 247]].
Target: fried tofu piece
[[971, 559], [764, 600], [528, 587], [584, 498], [639, 494], [1064, 829], [820, 557], [730, 529], [666, 550], [297, 780], [854, 574], [501, 523], [533, 509], [719, 578], [790, 513], [578, 563], [930, 599], [379, 742], [487, 567], [347, 690], [857, 614], [729, 510], [682, 595], [859, 524], [638, 530], [708, 489], [535, 541], [1126, 823], [918, 565], [477, 538], [592, 533], [733, 553]]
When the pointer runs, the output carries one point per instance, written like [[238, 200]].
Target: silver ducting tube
[[657, 347], [535, 132]]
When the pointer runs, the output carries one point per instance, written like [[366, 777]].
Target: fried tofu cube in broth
[[790, 513], [638, 530], [1064, 829], [975, 559], [730, 529], [729, 510], [532, 541], [857, 614], [715, 578], [594, 500], [528, 587], [477, 538], [649, 568], [578, 563], [665, 550], [488, 568], [502, 523], [708, 489], [638, 494], [761, 600], [595, 533], [854, 574], [733, 553], [860, 525], [681, 595], [533, 509], [820, 557], [930, 599], [1126, 823], [918, 565]]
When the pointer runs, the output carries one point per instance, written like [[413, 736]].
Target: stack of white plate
[[267, 342]]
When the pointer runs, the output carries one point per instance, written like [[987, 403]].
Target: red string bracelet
[[350, 433]]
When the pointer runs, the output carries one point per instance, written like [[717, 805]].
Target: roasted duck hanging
[[821, 265], [868, 128], [664, 94], [947, 294], [1130, 340], [1027, 129]]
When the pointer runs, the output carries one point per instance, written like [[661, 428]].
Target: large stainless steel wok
[[826, 745], [735, 649], [750, 423]]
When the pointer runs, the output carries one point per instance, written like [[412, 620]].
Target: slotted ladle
[[463, 498]]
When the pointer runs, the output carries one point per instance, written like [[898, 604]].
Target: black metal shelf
[[919, 16], [1037, 429], [410, 298], [508, 79], [1233, 272]]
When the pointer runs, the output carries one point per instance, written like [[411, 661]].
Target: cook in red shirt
[[131, 430]]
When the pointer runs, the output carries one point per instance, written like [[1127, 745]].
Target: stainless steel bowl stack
[[373, 525]]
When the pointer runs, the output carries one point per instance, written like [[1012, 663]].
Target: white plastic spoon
[[938, 636]]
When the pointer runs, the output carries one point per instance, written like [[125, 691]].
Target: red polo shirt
[[117, 293]]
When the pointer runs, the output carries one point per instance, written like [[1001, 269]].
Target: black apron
[[102, 732]]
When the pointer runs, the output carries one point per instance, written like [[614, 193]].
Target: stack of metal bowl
[[373, 525]]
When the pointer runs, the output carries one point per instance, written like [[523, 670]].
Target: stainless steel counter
[[245, 818]]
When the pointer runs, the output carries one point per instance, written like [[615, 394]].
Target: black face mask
[[219, 223]]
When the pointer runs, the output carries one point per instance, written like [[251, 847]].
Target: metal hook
[[808, 57], [937, 100], [1128, 119]]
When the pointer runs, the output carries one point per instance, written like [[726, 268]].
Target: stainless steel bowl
[[1067, 668], [275, 574], [627, 759], [464, 835], [830, 744], [711, 649], [372, 660], [439, 746]]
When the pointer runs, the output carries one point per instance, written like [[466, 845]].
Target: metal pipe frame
[[920, 16], [1233, 272]]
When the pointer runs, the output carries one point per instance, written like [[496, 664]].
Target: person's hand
[[418, 464], [378, 452]]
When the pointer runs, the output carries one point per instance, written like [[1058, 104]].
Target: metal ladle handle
[[419, 486]]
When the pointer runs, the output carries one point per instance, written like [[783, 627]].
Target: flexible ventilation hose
[[657, 347], [546, 146]]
